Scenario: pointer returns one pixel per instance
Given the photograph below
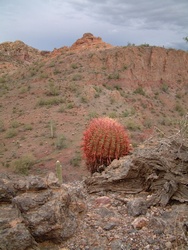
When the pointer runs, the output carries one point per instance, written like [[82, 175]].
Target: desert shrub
[[114, 76], [179, 109], [61, 109], [27, 127], [75, 161], [125, 113], [103, 141], [53, 90], [61, 142], [77, 77], [23, 164], [50, 101], [165, 87], [15, 124], [74, 66], [57, 71], [133, 126], [113, 115], [2, 126], [92, 115], [11, 133], [139, 91]]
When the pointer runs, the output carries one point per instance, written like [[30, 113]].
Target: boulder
[[36, 209]]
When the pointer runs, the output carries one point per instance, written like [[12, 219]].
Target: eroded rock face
[[35, 209], [89, 41], [159, 169]]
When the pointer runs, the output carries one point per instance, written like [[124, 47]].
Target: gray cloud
[[46, 24]]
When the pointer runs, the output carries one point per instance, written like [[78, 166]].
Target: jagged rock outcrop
[[89, 41], [161, 170], [18, 52]]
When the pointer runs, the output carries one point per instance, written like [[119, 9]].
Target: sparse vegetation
[[2, 126], [179, 109], [76, 160], [74, 66], [50, 101], [132, 125], [139, 91], [27, 127], [53, 90], [15, 124], [165, 87], [23, 164], [77, 77], [114, 76], [61, 142], [10, 133]]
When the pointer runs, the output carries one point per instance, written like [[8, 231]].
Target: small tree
[[186, 39]]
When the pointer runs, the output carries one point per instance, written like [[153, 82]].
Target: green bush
[[164, 87], [75, 161], [15, 124], [114, 76], [53, 90], [77, 77], [61, 142], [24, 164], [50, 101], [11, 133], [139, 91], [133, 126]]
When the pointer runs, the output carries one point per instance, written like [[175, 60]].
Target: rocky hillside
[[48, 98]]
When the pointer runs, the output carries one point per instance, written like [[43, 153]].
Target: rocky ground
[[115, 221], [39, 213]]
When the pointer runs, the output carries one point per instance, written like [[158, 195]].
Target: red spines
[[103, 141]]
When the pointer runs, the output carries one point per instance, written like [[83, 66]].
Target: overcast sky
[[49, 24]]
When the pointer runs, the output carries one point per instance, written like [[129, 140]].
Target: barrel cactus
[[103, 141]]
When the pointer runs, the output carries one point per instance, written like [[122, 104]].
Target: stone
[[140, 222], [28, 201], [109, 226], [157, 225], [52, 181], [137, 207], [36, 209], [48, 216], [168, 245], [14, 233], [116, 245], [104, 212], [102, 201]]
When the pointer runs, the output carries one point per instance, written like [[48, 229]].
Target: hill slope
[[47, 98]]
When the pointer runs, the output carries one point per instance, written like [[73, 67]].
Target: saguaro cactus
[[103, 141]]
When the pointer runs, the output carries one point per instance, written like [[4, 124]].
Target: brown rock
[[137, 207], [102, 201], [140, 222]]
